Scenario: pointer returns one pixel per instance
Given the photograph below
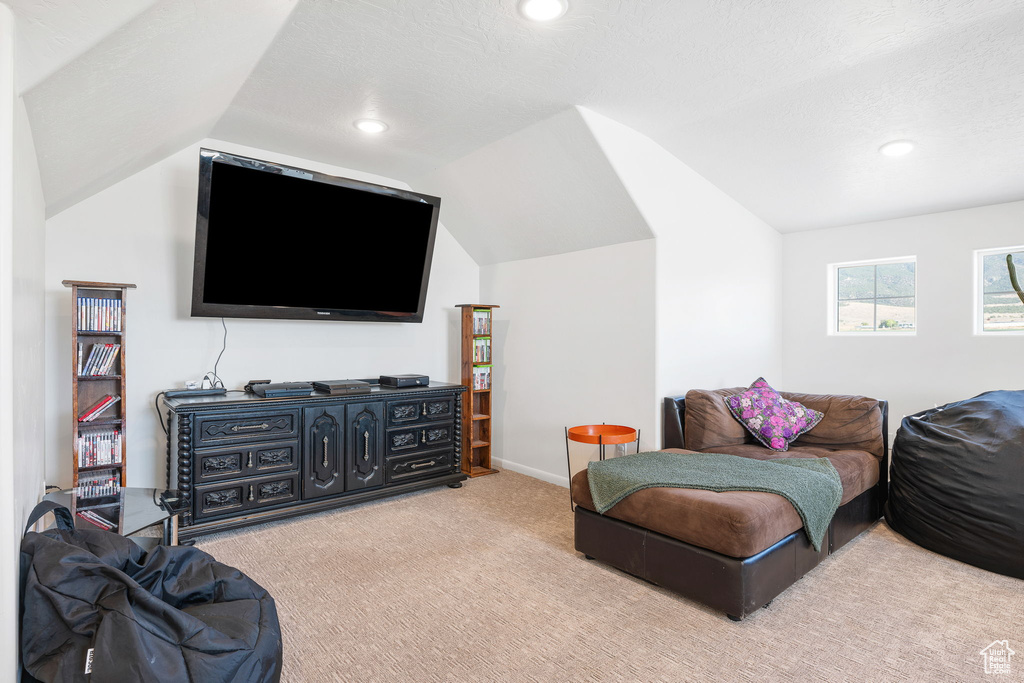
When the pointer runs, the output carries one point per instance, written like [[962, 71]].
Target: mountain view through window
[[876, 297], [1002, 310]]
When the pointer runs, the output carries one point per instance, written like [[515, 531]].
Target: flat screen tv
[[273, 241]]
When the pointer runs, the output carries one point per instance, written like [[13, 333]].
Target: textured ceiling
[[54, 32], [782, 105], [153, 86]]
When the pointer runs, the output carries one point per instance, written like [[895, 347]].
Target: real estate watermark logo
[[997, 657]]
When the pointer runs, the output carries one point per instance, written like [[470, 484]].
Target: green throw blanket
[[811, 484]]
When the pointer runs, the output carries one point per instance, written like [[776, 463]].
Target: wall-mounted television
[[273, 241]]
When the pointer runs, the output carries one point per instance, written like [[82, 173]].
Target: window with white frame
[[874, 297], [999, 309]]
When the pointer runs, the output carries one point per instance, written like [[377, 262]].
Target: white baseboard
[[558, 479]]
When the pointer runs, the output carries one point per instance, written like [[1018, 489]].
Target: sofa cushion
[[858, 470], [851, 423], [773, 420], [733, 523], [707, 422]]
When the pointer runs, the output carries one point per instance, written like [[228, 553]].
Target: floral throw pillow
[[773, 420]]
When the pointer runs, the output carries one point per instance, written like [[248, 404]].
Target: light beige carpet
[[482, 584]]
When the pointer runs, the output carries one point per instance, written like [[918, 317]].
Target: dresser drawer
[[245, 460], [212, 430], [421, 410], [406, 467], [424, 436], [243, 495]]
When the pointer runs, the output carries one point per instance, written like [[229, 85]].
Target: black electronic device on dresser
[[246, 460], [403, 381]]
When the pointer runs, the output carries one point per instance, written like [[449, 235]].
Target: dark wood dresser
[[240, 459]]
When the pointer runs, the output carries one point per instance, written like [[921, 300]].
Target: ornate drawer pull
[[422, 464], [241, 428], [366, 445], [423, 436], [325, 451], [250, 459], [424, 407], [251, 497]]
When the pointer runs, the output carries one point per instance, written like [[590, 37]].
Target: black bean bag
[[95, 603], [957, 481]]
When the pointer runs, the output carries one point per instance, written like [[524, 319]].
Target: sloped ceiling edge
[[547, 189], [155, 85]]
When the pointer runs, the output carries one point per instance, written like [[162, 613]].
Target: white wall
[[29, 321], [573, 344], [142, 231], [945, 361], [21, 337], [697, 307], [9, 507], [718, 271]]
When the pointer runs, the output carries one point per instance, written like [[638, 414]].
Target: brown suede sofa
[[735, 551]]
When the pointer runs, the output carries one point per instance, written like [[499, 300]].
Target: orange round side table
[[602, 435]]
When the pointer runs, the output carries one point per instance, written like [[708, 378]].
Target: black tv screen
[[273, 241]]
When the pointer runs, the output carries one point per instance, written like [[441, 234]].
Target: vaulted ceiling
[[782, 105]]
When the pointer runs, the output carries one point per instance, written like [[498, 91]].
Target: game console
[[190, 393], [279, 389], [336, 387], [399, 381]]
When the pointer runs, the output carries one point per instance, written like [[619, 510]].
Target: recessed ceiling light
[[371, 125], [543, 10], [897, 148]]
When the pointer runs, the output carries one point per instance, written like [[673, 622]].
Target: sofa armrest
[[672, 423], [883, 466]]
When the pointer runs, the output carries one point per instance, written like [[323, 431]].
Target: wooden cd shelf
[[98, 351], [477, 377]]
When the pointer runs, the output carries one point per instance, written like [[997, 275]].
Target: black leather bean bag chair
[[94, 600], [957, 481]]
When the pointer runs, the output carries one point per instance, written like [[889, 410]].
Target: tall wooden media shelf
[[477, 352], [98, 366]]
